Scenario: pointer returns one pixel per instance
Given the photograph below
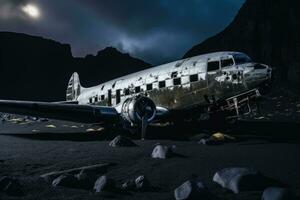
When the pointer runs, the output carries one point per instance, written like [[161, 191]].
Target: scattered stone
[[50, 126], [141, 183], [121, 141], [103, 183], [241, 179], [162, 152], [138, 184], [95, 170], [90, 130], [276, 193], [191, 189], [66, 180]]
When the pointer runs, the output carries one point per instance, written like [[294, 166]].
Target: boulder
[[66, 180], [162, 152], [103, 183], [276, 193], [122, 141], [191, 189], [241, 179]]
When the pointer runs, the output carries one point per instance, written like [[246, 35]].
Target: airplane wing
[[62, 111]]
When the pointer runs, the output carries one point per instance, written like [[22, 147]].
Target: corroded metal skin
[[180, 84]]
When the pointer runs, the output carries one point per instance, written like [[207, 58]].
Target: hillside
[[267, 30], [34, 68]]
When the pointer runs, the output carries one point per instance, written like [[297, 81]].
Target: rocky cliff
[[268, 31], [34, 68]]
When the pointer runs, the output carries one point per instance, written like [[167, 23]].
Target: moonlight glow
[[31, 10]]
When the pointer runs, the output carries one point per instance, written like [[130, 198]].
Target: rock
[[13, 187], [276, 193], [141, 183], [95, 170], [162, 152], [66, 180], [241, 179], [191, 189], [121, 141], [138, 184], [102, 184]]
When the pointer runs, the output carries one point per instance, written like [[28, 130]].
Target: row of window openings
[[215, 65], [161, 84]]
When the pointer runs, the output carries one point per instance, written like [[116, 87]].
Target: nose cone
[[266, 85]]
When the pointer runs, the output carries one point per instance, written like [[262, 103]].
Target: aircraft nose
[[267, 85]]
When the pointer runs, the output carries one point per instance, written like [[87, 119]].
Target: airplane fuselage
[[180, 84]]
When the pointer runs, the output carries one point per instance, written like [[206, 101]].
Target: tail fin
[[74, 88]]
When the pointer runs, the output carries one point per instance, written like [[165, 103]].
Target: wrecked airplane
[[204, 84]]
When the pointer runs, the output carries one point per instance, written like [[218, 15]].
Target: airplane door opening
[[109, 98], [118, 96]]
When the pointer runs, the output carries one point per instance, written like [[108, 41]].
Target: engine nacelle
[[135, 108]]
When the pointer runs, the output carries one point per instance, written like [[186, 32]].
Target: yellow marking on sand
[[50, 126], [221, 137]]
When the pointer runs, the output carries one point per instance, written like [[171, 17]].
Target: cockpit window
[[213, 66], [226, 62], [241, 59]]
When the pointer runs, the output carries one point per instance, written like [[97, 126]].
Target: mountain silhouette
[[268, 31], [34, 68]]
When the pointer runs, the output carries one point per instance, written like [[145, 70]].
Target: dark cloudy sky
[[154, 30]]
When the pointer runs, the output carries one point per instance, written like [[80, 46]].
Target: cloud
[[11, 8], [154, 30]]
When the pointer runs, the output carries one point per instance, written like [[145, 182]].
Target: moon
[[31, 10]]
